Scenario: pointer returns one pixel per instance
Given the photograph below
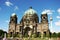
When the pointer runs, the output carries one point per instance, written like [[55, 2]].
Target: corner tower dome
[[30, 11], [13, 14]]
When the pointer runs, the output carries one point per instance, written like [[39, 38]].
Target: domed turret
[[13, 14]]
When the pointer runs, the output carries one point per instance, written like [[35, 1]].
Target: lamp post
[[5, 37]]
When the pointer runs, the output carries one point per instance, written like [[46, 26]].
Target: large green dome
[[30, 15]]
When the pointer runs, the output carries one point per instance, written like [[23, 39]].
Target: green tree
[[54, 34], [2, 33], [58, 35], [50, 34]]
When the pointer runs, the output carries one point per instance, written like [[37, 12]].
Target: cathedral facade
[[29, 24]]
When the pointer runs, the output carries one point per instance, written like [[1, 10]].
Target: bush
[[39, 34], [34, 35]]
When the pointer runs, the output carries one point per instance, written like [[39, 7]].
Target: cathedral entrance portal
[[27, 31]]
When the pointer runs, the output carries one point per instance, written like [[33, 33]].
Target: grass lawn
[[41, 38]]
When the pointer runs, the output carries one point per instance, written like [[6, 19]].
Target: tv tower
[[51, 22]]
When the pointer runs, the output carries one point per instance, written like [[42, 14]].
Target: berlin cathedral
[[29, 24]]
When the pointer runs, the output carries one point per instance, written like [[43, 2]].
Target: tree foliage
[[58, 34], [2, 33]]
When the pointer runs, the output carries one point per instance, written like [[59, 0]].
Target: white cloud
[[58, 17], [7, 3], [47, 11], [16, 8], [7, 21], [57, 23], [58, 10]]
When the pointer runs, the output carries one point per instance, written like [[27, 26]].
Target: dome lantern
[[30, 7]]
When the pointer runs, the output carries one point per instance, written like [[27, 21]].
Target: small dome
[[13, 14], [30, 11]]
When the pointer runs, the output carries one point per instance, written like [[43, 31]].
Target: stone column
[[21, 31], [34, 29]]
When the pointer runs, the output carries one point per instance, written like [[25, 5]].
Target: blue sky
[[51, 7]]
